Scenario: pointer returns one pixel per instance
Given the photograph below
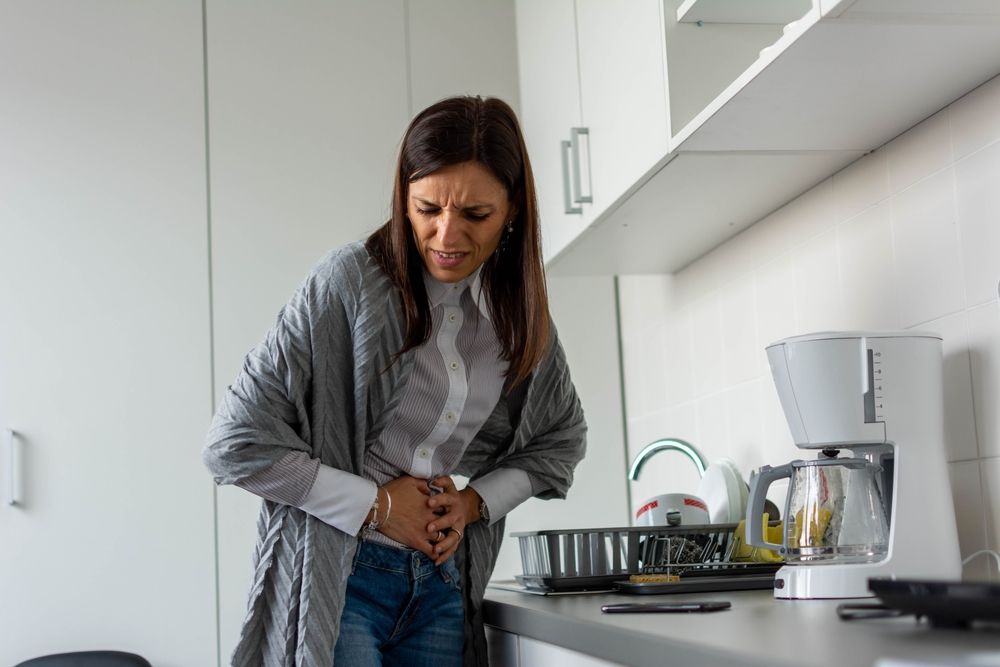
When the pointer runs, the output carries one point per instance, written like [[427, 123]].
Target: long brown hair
[[452, 131]]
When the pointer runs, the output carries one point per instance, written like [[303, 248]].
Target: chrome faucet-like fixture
[[663, 445]]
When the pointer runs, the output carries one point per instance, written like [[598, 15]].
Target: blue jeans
[[401, 610]]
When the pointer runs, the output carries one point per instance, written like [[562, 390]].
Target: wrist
[[472, 503], [378, 515]]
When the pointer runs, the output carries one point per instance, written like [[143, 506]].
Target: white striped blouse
[[454, 386]]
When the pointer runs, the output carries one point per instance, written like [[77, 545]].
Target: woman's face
[[458, 214]]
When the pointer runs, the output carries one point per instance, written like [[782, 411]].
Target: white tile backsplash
[[906, 237], [713, 427], [984, 353], [865, 255], [816, 284], [978, 199], [708, 362], [967, 494], [743, 423], [679, 372], [774, 293], [927, 255], [742, 360], [991, 505]]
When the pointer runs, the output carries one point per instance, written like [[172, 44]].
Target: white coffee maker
[[878, 397]]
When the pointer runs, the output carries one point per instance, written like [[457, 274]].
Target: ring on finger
[[456, 530], [440, 536]]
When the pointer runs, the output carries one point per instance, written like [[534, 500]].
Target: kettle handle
[[759, 484]]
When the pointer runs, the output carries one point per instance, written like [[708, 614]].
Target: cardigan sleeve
[[265, 413]]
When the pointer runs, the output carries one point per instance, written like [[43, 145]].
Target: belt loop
[[357, 553]]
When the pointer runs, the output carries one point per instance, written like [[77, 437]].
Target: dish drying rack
[[593, 559]]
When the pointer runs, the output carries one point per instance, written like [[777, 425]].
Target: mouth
[[449, 255], [448, 260]]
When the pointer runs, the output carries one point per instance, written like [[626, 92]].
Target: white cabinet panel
[[104, 332], [450, 44], [623, 91], [302, 144], [550, 107], [534, 653]]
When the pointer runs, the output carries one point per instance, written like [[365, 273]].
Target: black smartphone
[[665, 607]]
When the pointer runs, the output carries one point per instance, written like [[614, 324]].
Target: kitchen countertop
[[757, 631]]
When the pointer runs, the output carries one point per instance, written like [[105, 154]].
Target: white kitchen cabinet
[[759, 112], [535, 653], [622, 92], [593, 105], [549, 76], [104, 332]]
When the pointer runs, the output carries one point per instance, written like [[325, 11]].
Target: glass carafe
[[833, 511]]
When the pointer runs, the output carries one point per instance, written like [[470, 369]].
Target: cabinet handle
[[567, 196], [14, 487], [575, 134]]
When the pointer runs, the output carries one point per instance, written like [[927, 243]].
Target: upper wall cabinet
[[762, 101], [593, 104]]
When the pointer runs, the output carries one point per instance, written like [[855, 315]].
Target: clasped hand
[[433, 524]]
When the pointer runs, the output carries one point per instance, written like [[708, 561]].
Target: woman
[[424, 352]]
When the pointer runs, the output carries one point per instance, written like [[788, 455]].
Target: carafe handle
[[759, 484]]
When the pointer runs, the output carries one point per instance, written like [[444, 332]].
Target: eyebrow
[[428, 202]]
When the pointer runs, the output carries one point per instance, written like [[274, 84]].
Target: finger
[[445, 482], [447, 548], [445, 522]]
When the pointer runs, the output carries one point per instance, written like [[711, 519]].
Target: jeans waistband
[[391, 559]]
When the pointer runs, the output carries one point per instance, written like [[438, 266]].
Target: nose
[[449, 227]]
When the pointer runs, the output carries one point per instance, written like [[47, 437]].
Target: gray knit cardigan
[[324, 381]]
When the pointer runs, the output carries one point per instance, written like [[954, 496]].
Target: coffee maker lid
[[833, 335]]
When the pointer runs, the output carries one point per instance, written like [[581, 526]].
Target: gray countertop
[[757, 631]]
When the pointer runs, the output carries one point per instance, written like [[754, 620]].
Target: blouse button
[[454, 365], [450, 416], [451, 318]]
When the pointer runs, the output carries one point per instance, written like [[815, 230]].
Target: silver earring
[[505, 239]]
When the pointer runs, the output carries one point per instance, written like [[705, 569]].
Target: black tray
[[605, 582], [693, 580], [945, 603], [699, 584]]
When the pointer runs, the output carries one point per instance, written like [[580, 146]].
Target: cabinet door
[[104, 332], [307, 103], [535, 653], [550, 107], [623, 91]]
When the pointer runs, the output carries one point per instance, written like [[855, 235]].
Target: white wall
[[583, 310], [906, 237]]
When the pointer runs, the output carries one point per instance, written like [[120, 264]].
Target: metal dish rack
[[593, 559]]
